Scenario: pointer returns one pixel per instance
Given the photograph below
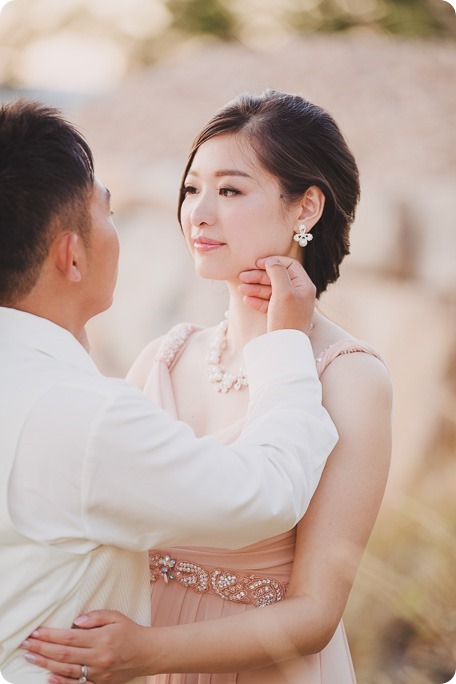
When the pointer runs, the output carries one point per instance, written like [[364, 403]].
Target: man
[[92, 474]]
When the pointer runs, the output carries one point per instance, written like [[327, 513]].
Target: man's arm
[[150, 482]]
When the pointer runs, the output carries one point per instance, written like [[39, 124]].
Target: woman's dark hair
[[301, 145], [46, 183]]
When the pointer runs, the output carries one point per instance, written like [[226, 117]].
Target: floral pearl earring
[[302, 237]]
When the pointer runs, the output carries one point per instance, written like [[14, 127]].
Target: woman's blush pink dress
[[191, 584]]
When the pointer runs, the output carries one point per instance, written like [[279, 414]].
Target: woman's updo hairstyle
[[301, 145]]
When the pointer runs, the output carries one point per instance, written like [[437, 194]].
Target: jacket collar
[[45, 336]]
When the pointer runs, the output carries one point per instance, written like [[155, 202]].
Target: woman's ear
[[67, 256], [311, 206]]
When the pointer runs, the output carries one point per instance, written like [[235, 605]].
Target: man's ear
[[312, 205], [67, 256]]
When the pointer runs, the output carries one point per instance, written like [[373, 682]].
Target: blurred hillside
[[90, 45], [394, 97], [400, 278], [396, 102]]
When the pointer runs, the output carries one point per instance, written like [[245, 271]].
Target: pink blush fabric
[[174, 604]]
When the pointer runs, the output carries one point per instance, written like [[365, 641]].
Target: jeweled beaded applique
[[227, 584], [172, 342], [351, 349], [261, 591], [319, 358]]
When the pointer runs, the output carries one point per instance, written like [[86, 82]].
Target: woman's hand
[[280, 288], [112, 652]]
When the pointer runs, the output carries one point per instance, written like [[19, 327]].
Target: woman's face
[[233, 213]]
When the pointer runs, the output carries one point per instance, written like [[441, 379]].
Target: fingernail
[[271, 261], [30, 657], [25, 644], [53, 680], [81, 620]]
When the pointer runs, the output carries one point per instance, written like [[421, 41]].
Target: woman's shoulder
[[352, 372], [163, 349], [140, 369], [172, 343], [332, 343]]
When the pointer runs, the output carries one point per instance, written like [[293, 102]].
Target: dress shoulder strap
[[174, 342], [347, 346]]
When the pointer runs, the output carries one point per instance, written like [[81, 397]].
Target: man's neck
[[58, 311]]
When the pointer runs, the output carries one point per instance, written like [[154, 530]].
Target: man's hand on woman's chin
[[280, 288]]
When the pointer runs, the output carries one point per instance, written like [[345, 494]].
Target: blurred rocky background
[[141, 77]]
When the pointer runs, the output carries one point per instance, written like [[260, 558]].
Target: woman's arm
[[330, 541]]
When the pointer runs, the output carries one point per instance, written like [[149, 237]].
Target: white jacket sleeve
[[149, 482]]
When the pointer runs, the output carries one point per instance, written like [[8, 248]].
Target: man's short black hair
[[46, 182]]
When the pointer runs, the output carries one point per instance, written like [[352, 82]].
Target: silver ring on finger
[[83, 677]]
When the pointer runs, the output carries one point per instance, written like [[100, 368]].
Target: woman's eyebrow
[[223, 172]]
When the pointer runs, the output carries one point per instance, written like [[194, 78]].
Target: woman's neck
[[244, 324]]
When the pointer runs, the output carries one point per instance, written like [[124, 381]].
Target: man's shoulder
[[35, 374], [73, 381], [81, 403]]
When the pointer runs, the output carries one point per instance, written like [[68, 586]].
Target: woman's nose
[[203, 211]]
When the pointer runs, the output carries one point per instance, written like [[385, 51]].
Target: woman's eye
[[188, 190], [228, 192]]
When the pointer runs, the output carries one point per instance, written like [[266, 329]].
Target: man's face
[[103, 252]]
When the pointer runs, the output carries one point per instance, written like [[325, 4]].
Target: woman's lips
[[203, 244]]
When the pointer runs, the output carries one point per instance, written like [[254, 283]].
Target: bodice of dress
[[256, 574], [173, 345]]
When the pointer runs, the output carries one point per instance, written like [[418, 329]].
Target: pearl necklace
[[224, 380]]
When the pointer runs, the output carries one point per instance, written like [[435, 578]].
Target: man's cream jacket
[[92, 474]]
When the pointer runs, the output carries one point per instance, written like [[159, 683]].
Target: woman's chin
[[213, 272]]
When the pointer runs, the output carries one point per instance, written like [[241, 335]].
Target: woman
[[261, 175]]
